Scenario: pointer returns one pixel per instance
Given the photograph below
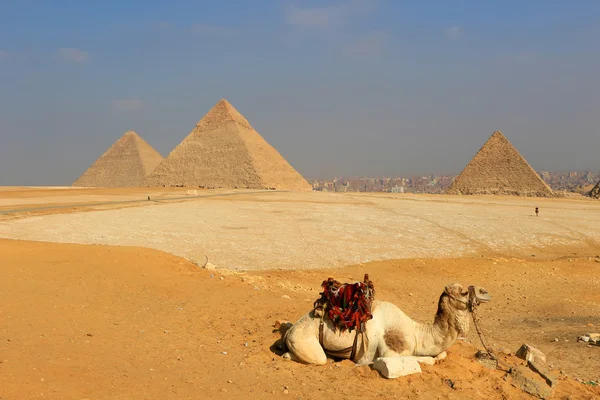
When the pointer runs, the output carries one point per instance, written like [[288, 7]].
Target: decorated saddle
[[347, 305]]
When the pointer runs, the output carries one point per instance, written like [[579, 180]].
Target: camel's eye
[[464, 294]]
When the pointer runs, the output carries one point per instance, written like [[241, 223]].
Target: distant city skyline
[[339, 88]]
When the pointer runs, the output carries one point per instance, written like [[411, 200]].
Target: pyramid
[[224, 151], [498, 168], [125, 164], [595, 192]]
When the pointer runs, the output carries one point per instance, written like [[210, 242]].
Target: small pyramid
[[126, 163], [595, 192], [498, 168], [224, 151]]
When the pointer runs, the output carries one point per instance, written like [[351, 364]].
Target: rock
[[394, 367], [594, 338], [285, 296], [210, 266], [528, 353], [523, 379], [543, 372], [590, 338]]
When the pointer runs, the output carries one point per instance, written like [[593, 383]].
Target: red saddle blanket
[[347, 305]]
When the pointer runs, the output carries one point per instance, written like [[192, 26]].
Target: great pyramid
[[498, 168], [126, 163], [224, 151], [595, 192]]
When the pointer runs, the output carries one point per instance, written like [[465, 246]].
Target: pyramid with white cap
[[224, 151], [498, 168], [126, 163]]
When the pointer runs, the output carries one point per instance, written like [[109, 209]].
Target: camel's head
[[466, 299]]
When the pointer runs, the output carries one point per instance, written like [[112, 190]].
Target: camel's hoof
[[286, 356], [441, 356]]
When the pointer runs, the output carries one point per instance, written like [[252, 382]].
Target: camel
[[390, 333]]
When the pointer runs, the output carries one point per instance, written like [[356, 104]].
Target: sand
[[265, 230], [108, 322]]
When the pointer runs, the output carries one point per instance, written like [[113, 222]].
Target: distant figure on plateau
[[537, 211]]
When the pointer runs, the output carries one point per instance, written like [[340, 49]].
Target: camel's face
[[461, 297], [479, 295]]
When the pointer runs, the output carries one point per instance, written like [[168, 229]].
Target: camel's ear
[[447, 289]]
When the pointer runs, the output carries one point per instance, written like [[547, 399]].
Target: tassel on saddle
[[347, 305]]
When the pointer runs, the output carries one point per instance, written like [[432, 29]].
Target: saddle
[[347, 306]]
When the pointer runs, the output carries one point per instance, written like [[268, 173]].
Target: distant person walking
[[537, 211]]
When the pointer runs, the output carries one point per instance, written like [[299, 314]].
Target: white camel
[[390, 333]]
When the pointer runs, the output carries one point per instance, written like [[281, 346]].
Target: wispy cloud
[[329, 16], [336, 26], [454, 32], [128, 105], [213, 30], [311, 17], [73, 55], [370, 44]]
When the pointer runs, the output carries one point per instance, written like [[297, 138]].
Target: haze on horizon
[[340, 88]]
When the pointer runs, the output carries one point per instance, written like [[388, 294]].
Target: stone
[[224, 151], [498, 168], [525, 380], [590, 338], [395, 367], [594, 338], [542, 371], [210, 266], [127, 163], [529, 353]]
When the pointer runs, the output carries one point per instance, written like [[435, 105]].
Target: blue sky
[[340, 88]]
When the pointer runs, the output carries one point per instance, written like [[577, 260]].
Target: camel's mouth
[[479, 294]]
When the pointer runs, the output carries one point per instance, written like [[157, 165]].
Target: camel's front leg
[[306, 350], [303, 343]]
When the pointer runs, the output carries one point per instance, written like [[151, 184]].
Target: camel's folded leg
[[306, 350], [426, 360], [431, 360]]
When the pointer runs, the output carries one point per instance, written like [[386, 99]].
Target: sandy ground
[[99, 322], [315, 230], [112, 322]]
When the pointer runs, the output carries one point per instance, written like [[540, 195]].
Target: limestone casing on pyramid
[[224, 151], [126, 163], [595, 192], [498, 168]]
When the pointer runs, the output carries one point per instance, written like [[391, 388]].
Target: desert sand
[[118, 310]]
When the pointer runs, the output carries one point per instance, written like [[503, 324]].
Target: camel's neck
[[432, 339]]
